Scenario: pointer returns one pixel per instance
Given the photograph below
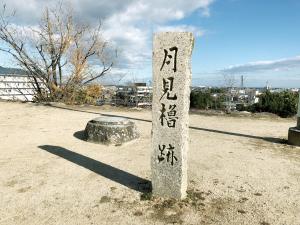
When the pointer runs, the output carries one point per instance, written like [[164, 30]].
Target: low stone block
[[294, 136], [110, 130]]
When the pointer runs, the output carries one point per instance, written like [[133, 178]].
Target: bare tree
[[57, 54]]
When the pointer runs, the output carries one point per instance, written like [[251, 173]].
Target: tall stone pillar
[[171, 100]]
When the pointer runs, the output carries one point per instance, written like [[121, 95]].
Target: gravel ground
[[240, 171]]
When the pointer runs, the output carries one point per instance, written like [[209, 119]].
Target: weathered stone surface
[[110, 130], [171, 98], [294, 136], [294, 132], [298, 114]]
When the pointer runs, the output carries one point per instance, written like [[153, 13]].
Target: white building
[[16, 87], [144, 96]]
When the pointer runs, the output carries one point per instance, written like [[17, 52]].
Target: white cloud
[[129, 24], [132, 28], [271, 65]]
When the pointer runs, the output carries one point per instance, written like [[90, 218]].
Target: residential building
[[16, 87]]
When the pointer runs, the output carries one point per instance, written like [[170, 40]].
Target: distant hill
[[4, 70]]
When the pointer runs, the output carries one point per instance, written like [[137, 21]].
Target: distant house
[[16, 87], [136, 94], [143, 95]]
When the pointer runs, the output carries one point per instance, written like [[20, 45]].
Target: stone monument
[[170, 106], [110, 130], [294, 132]]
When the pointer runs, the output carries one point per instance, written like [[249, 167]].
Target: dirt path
[[239, 171]]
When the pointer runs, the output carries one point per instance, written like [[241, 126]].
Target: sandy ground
[[240, 171]]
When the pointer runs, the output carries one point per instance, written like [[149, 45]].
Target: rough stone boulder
[[294, 134], [110, 130]]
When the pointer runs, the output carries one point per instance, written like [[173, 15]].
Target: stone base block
[[110, 130], [294, 136]]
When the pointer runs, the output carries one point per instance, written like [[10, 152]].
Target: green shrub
[[283, 104], [205, 100]]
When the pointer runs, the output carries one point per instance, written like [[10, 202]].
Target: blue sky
[[243, 31], [259, 39]]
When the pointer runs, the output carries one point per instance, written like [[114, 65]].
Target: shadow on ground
[[79, 134], [269, 139], [122, 177]]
